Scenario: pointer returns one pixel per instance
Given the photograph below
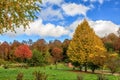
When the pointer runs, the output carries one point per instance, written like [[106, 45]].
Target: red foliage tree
[[23, 52], [57, 54]]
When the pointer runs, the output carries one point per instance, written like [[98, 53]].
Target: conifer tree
[[84, 43]]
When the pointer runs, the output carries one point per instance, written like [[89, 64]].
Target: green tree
[[37, 58], [16, 13], [84, 43]]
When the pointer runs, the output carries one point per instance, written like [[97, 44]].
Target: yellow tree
[[84, 43], [14, 13]]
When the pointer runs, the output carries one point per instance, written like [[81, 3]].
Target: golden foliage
[[84, 44]]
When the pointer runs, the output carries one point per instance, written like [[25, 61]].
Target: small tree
[[37, 58], [23, 52], [57, 55], [113, 63]]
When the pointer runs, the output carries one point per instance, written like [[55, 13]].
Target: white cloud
[[101, 1], [103, 28], [51, 14], [73, 9], [92, 1], [100, 27], [56, 2], [38, 28]]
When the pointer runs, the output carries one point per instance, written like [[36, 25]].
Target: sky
[[58, 19]]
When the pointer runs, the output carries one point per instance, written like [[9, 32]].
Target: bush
[[101, 77], [19, 76], [6, 66], [113, 64], [80, 77], [40, 76], [37, 59], [92, 66]]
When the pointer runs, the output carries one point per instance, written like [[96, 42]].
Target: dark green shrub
[[92, 66], [6, 66], [40, 75], [19, 76], [77, 64]]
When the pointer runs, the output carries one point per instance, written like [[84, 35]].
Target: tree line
[[85, 49]]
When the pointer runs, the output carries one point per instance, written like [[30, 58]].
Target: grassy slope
[[62, 73]]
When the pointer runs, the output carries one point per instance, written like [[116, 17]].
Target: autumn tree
[[13, 46], [23, 52], [40, 45], [84, 43], [65, 45], [16, 13], [57, 54], [5, 51], [109, 41], [117, 43], [53, 44]]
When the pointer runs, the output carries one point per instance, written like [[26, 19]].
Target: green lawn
[[62, 73]]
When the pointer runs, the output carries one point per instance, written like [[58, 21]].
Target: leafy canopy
[[16, 13], [84, 43]]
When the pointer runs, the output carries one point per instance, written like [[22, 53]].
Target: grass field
[[62, 73]]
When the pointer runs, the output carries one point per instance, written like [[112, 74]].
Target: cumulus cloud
[[51, 14], [100, 27], [43, 30], [73, 9], [103, 28]]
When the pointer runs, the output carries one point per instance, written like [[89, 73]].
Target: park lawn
[[61, 73]]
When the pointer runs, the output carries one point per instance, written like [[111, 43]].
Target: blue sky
[[59, 18]]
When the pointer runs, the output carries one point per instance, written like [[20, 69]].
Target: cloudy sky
[[59, 18]]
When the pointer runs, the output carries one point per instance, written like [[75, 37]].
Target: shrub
[[80, 77], [101, 77], [37, 59], [40, 75], [6, 66], [93, 66], [19, 76], [113, 63]]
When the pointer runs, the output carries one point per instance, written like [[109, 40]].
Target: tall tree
[[84, 43], [14, 13]]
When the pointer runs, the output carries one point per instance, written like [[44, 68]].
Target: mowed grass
[[61, 73]]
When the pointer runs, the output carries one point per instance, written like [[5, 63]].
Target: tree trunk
[[80, 68], [93, 70], [55, 65], [85, 66]]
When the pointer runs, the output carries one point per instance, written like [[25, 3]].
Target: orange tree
[[23, 52]]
